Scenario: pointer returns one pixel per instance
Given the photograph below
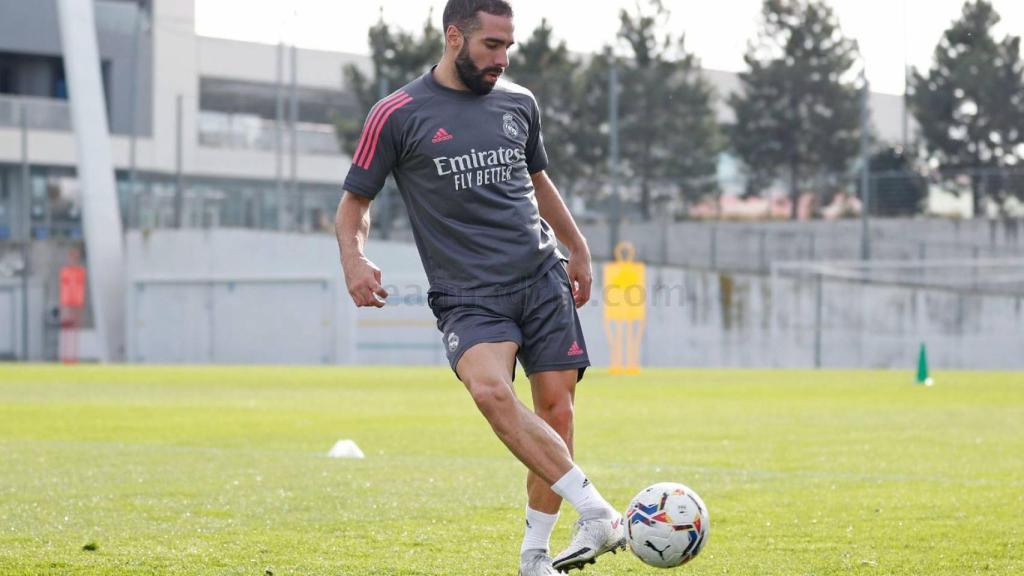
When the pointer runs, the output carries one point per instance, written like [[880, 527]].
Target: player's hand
[[363, 280], [581, 276]]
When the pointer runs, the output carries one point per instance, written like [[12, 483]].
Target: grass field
[[223, 471]]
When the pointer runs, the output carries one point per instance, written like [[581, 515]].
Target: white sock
[[538, 530], [577, 490]]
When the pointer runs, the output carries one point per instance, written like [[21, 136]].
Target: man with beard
[[466, 151]]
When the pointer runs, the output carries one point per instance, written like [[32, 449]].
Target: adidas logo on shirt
[[442, 135]]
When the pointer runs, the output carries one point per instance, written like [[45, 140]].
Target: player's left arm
[[556, 213]]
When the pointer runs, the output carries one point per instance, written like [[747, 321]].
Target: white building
[[212, 146], [230, 97]]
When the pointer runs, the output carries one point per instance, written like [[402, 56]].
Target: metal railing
[[246, 132], [41, 113]]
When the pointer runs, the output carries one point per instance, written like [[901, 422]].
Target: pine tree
[[970, 105], [798, 113], [589, 131], [548, 69], [669, 133]]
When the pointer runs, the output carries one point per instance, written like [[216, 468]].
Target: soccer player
[[466, 151]]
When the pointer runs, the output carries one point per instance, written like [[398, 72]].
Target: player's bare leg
[[553, 397], [554, 394], [486, 371], [598, 530]]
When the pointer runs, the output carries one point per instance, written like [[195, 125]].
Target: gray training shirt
[[462, 163]]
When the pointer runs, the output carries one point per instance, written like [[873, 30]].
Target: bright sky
[[888, 31]]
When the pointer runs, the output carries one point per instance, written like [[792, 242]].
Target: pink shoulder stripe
[[370, 120], [372, 131], [374, 113]]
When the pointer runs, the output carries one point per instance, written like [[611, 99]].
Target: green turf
[[223, 471]]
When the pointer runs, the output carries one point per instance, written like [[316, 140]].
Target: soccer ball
[[667, 525]]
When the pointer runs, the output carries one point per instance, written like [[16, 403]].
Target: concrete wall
[[233, 284], [745, 320], [250, 297], [10, 339], [13, 343], [873, 326]]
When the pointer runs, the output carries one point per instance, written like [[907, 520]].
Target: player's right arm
[[352, 227], [375, 156]]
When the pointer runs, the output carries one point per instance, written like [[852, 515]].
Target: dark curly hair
[[463, 13]]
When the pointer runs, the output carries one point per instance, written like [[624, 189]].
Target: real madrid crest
[[453, 342], [508, 123]]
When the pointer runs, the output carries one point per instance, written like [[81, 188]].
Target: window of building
[[7, 83], [60, 82]]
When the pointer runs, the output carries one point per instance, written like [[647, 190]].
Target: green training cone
[[922, 367]]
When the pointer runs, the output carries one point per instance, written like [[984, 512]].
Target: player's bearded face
[[475, 78]]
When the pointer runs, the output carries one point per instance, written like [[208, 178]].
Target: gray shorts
[[540, 318]]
